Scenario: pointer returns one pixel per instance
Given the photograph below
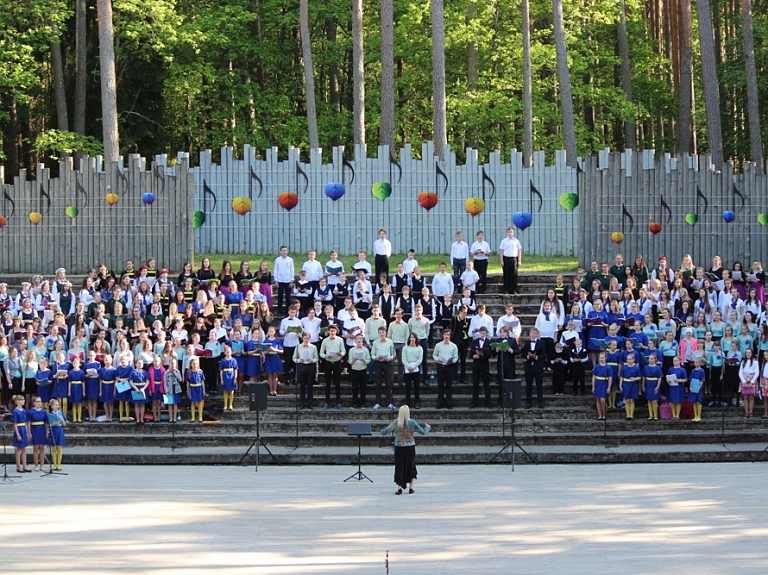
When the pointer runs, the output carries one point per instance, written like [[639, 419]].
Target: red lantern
[[427, 200], [288, 200], [654, 227]]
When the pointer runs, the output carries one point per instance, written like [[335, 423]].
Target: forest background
[[191, 75]]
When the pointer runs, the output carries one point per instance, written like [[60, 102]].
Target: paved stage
[[545, 519]]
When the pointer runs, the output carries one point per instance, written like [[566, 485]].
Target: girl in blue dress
[[20, 435], [272, 363], [696, 389], [60, 371], [596, 320], [56, 423], [38, 432], [237, 345], [76, 390], [228, 375], [676, 394], [123, 375], [651, 385], [629, 384], [156, 373], [139, 394], [601, 383], [107, 377], [613, 360], [255, 359], [44, 386], [92, 385], [195, 388]]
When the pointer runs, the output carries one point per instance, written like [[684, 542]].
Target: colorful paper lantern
[[617, 237], [112, 199], [474, 205], [522, 220], [71, 211], [427, 200], [242, 205], [148, 198], [3, 221], [381, 190], [288, 200], [762, 219], [654, 227], [334, 190], [35, 217], [691, 219], [729, 216], [198, 219], [569, 201]]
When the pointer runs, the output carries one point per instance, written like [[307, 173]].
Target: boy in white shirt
[[459, 256], [442, 283], [314, 270], [410, 263], [284, 276], [480, 251], [333, 268], [470, 278]]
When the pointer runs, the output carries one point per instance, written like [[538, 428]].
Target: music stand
[[6, 478], [512, 399], [257, 401], [359, 429]]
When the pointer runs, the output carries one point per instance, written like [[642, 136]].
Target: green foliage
[[55, 143]]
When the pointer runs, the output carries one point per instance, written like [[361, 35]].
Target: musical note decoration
[[523, 220], [199, 217], [71, 212], [148, 198], [80, 190], [568, 201], [618, 237], [123, 178], [730, 215], [7, 200], [35, 217], [692, 218], [254, 178], [476, 205], [655, 226], [762, 219], [382, 190]]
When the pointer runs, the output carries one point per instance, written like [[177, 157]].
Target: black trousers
[[381, 265], [444, 385], [383, 375], [462, 359], [333, 376], [359, 378], [534, 371], [481, 267], [283, 297], [305, 376], [578, 375], [510, 275], [411, 379], [289, 368], [480, 371]]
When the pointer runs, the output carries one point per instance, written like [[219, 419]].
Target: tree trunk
[[753, 100], [472, 49], [440, 134], [59, 93], [12, 145], [527, 89], [388, 75], [309, 75], [81, 71], [566, 98], [358, 68], [711, 88], [686, 78], [626, 76], [108, 81]]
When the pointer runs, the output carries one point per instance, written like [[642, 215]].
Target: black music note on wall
[[301, 172], [486, 178], [254, 177]]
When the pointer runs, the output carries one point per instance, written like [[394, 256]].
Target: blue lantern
[[729, 216], [148, 198], [334, 190], [522, 220]]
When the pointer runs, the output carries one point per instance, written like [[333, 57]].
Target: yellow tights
[[56, 453], [199, 408], [229, 400]]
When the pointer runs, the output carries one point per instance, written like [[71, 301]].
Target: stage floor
[[590, 519]]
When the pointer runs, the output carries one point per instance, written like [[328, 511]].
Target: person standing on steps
[[535, 355], [511, 258], [382, 251]]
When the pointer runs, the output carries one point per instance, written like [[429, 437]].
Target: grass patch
[[429, 263]]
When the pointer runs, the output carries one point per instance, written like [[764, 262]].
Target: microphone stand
[[6, 478]]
